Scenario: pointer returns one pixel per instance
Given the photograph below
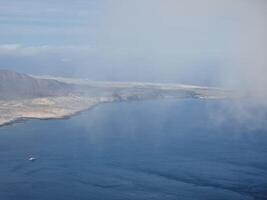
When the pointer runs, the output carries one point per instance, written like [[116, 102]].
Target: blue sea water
[[164, 150]]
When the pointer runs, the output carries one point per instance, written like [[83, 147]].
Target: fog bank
[[220, 43]]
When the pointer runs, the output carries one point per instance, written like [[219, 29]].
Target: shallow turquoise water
[[186, 149]]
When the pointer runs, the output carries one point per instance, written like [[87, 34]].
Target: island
[[24, 96]]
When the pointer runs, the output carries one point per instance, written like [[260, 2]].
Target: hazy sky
[[218, 42]]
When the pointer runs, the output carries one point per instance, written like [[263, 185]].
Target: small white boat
[[32, 158]]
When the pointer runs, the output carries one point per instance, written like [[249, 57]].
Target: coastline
[[56, 117], [62, 117], [82, 109], [86, 104], [65, 106]]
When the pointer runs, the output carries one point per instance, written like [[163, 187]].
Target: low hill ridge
[[19, 85]]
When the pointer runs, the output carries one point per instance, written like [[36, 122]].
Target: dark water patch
[[193, 180]]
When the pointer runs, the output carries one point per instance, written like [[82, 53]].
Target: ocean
[[161, 149]]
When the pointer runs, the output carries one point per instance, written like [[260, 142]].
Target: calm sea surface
[[185, 149]]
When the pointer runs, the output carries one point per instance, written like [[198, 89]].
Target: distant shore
[[85, 95], [73, 111], [56, 116], [22, 119]]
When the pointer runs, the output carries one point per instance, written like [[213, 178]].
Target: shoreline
[[60, 117], [66, 116], [85, 109], [85, 95]]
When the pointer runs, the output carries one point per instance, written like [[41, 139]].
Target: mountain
[[15, 85]]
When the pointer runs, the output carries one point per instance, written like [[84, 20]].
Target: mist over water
[[192, 149], [139, 150]]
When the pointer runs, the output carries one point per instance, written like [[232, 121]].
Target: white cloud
[[21, 50]]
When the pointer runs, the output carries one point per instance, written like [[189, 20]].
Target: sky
[[209, 42]]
